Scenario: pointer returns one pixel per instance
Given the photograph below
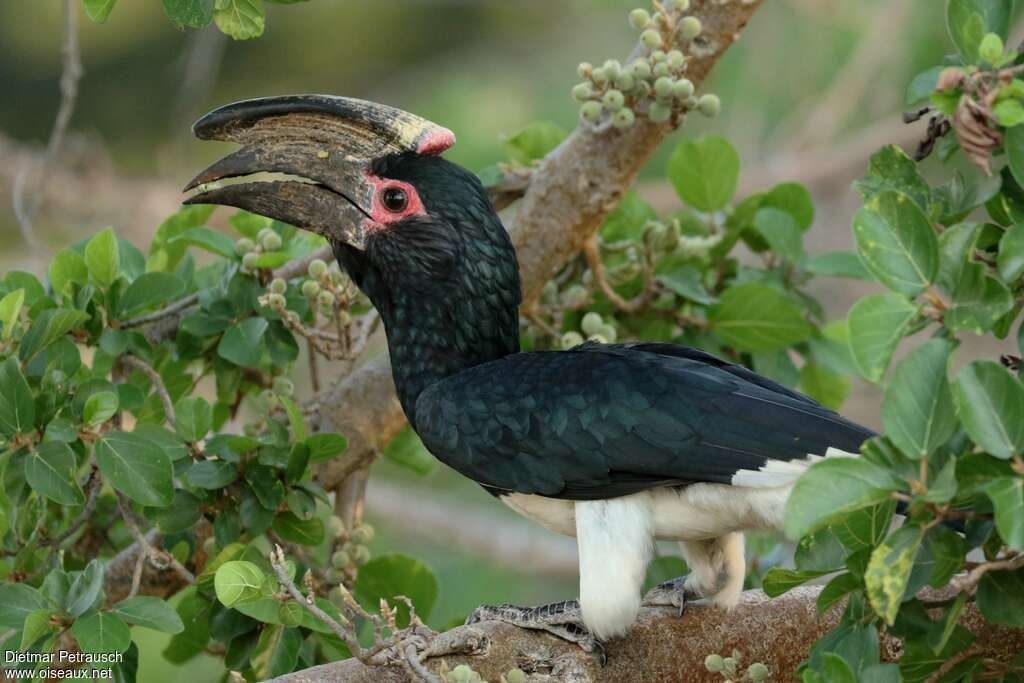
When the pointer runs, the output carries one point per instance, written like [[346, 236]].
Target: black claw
[[602, 654]]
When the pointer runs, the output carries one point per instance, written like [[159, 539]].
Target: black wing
[[608, 420]]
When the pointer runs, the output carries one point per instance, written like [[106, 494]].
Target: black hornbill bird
[[615, 444]]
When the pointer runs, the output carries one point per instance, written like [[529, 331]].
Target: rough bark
[[664, 648]]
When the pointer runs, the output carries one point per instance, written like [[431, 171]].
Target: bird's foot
[[672, 593], [562, 619]]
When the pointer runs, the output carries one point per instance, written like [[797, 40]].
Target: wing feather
[[608, 420]]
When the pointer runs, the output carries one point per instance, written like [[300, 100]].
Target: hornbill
[[615, 444]]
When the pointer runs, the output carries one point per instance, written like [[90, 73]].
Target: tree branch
[[664, 647], [25, 208]]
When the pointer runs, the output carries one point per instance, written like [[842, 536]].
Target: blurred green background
[[810, 91]]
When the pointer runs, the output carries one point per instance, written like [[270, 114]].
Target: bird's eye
[[394, 199]]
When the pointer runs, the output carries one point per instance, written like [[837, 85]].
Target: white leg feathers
[[615, 541], [717, 568]]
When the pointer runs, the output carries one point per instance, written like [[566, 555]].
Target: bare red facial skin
[[381, 217]]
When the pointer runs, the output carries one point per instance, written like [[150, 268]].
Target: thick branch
[[778, 632]]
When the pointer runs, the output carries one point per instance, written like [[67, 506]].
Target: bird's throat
[[431, 339]]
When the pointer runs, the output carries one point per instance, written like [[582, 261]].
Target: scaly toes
[[672, 593]]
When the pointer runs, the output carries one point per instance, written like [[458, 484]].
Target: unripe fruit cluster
[[463, 674], [594, 327], [250, 250], [325, 287], [613, 94]]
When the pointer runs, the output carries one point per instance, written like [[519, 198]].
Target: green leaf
[[756, 317], [967, 22], [68, 266], [325, 445], [627, 220], [891, 169], [838, 264], [149, 612], [408, 450], [180, 515], [208, 239], [50, 469], [1013, 142], [864, 528], [242, 344], [265, 484], [704, 172], [103, 258], [17, 600], [794, 199], [832, 488], [99, 408], [1007, 494], [38, 623], [193, 418], [1011, 254], [685, 280], [835, 590], [10, 309], [1001, 597], [917, 412], [211, 474], [990, 403], [86, 589], [922, 85], [150, 289], [896, 242], [48, 327], [919, 661], [393, 574], [295, 419], [979, 301], [17, 407], [1009, 113], [294, 529], [889, 570], [778, 580], [240, 19], [781, 232], [191, 13], [534, 141], [285, 654], [238, 582], [99, 10], [877, 323], [136, 467], [966, 28], [824, 386], [101, 633]]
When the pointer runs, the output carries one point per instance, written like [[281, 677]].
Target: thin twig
[[314, 368], [158, 385], [140, 562], [593, 256], [413, 657], [158, 558], [970, 581], [169, 310], [70, 76], [346, 635], [300, 265], [92, 487]]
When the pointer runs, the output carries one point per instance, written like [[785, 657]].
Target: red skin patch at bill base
[[381, 216], [436, 141]]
